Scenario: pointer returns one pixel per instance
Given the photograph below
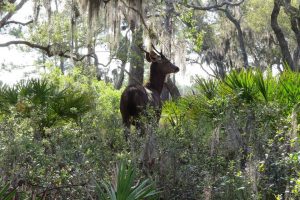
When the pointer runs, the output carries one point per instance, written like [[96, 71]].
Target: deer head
[[160, 63]]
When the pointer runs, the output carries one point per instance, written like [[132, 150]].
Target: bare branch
[[20, 23], [192, 61], [107, 64], [216, 6], [46, 49], [131, 75], [10, 14]]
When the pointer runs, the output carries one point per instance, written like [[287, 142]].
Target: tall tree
[[169, 87], [228, 8], [286, 55], [136, 54], [6, 15]]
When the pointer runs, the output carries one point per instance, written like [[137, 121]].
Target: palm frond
[[208, 88], [6, 193], [241, 84], [125, 188], [262, 84]]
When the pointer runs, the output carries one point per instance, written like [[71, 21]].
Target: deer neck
[[156, 80]]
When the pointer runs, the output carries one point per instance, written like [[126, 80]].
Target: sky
[[10, 57]]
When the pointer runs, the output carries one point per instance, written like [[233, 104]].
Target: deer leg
[[126, 124], [140, 127], [156, 118]]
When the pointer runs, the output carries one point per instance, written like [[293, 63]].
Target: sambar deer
[[137, 98]]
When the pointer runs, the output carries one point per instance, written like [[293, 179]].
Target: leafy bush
[[232, 139], [58, 133]]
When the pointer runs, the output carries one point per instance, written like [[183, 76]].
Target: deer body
[[137, 98]]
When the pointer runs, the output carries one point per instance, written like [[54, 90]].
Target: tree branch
[[216, 6], [46, 49], [4, 20], [131, 75], [240, 36], [287, 58], [20, 23], [231, 18]]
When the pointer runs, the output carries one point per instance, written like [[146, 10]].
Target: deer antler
[[160, 53], [141, 47]]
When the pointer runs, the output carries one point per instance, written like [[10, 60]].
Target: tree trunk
[[90, 49], [169, 87], [122, 55], [295, 25], [240, 37], [287, 58], [136, 57], [220, 70], [296, 56], [165, 94], [120, 77], [62, 65], [172, 89]]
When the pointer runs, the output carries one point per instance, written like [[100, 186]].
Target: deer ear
[[148, 57], [153, 56]]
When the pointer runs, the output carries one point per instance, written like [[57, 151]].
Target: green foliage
[[254, 111], [208, 88], [232, 139], [8, 97], [241, 85], [262, 84], [233, 185], [8, 6], [6, 193], [256, 14], [192, 32], [125, 188], [175, 112], [122, 51], [59, 131], [56, 32], [56, 104], [289, 87]]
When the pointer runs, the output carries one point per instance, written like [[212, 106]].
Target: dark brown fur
[[136, 98]]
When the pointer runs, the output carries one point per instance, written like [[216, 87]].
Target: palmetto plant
[[125, 188], [6, 193], [8, 97], [241, 84], [71, 104], [289, 87], [262, 84], [38, 91], [208, 88], [56, 103]]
